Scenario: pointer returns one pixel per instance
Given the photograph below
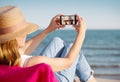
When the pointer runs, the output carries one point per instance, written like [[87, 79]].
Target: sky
[[98, 14]]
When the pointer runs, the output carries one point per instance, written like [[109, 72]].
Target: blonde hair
[[9, 54]]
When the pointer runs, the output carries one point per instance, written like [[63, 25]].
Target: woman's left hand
[[81, 25], [55, 24]]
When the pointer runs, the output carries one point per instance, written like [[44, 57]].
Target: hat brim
[[29, 28]]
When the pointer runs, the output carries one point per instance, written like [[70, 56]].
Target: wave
[[107, 75], [101, 55], [102, 48], [105, 66]]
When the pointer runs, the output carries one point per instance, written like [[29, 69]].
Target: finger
[[62, 26], [79, 18], [59, 27], [57, 16], [75, 26]]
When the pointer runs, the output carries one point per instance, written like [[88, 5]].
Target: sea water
[[101, 48]]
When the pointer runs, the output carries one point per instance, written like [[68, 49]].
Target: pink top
[[37, 73]]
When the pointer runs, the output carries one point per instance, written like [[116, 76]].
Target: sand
[[104, 79]]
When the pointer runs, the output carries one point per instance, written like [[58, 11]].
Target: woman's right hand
[[55, 23], [80, 26]]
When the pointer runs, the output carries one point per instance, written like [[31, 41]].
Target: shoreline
[[108, 76]]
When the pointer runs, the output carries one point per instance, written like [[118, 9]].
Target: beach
[[106, 80]]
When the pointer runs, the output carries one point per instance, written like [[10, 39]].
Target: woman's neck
[[21, 51]]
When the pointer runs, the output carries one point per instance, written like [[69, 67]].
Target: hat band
[[14, 28]]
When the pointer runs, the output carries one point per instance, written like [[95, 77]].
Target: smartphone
[[68, 20]]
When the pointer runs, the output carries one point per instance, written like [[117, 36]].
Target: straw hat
[[13, 24]]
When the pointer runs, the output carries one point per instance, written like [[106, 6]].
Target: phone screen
[[68, 20]]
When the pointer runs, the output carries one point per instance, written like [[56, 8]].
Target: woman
[[64, 59]]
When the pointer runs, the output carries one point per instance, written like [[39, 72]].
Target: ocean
[[101, 48]]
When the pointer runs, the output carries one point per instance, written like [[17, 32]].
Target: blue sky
[[98, 14]]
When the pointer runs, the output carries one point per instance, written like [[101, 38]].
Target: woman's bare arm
[[33, 43], [59, 64]]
